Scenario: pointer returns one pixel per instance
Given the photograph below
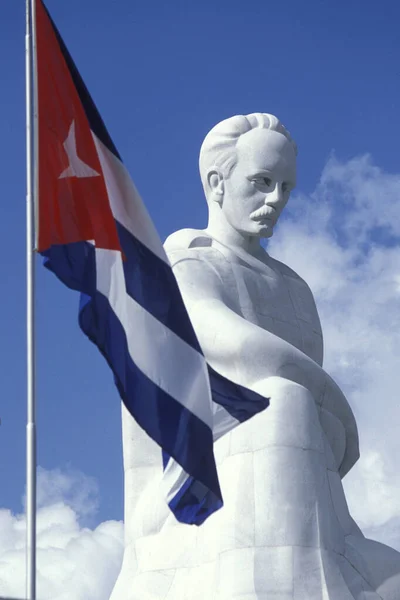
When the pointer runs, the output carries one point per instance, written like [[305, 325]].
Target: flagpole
[[31, 176]]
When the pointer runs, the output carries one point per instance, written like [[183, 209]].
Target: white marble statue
[[285, 531]]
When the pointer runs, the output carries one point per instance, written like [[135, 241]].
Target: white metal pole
[[31, 134]]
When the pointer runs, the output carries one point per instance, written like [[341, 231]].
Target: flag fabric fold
[[97, 238]]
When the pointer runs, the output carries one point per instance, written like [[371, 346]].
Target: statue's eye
[[285, 187], [262, 181]]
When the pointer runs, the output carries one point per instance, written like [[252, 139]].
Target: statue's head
[[248, 169]]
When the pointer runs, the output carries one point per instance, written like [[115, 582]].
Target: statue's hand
[[327, 395], [301, 369]]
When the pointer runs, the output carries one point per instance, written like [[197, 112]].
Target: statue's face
[[259, 186]]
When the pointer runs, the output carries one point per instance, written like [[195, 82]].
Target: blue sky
[[162, 74]]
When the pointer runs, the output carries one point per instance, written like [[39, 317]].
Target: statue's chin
[[266, 232]]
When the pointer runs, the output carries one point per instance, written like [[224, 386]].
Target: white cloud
[[74, 562], [69, 486], [344, 239]]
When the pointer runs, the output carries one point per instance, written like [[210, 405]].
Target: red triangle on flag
[[73, 203]]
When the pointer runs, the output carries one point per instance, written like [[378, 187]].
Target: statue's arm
[[248, 354], [234, 345]]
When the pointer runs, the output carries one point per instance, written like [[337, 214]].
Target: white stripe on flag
[[126, 204], [223, 421], [173, 479], [166, 359]]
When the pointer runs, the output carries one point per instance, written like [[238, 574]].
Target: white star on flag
[[76, 168]]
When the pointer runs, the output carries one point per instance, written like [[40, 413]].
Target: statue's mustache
[[264, 211]]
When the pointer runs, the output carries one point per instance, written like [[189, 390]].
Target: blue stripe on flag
[[151, 282], [238, 401], [73, 265], [194, 503]]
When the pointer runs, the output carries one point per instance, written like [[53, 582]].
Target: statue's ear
[[216, 185]]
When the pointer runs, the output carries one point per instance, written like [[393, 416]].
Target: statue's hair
[[219, 146]]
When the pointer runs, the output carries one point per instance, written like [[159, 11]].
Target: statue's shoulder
[[200, 267], [195, 245], [186, 239]]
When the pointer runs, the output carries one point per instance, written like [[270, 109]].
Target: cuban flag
[[96, 236]]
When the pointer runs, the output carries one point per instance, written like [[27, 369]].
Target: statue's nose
[[276, 196]]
